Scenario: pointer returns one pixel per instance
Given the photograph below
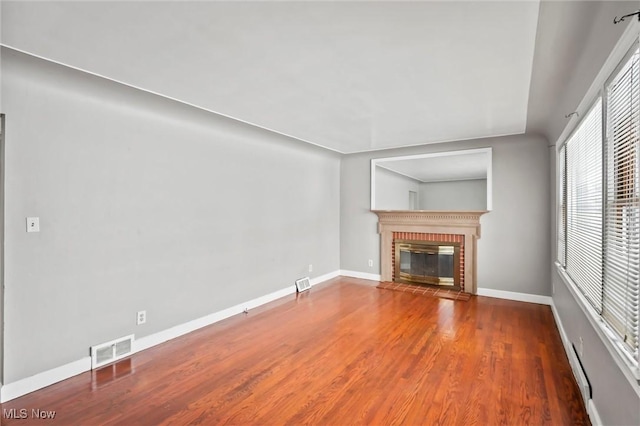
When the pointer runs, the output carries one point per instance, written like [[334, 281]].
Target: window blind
[[584, 206], [622, 206], [562, 206]]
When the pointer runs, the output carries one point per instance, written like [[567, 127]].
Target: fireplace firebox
[[427, 262]]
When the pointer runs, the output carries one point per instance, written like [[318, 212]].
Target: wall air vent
[[109, 352], [303, 284]]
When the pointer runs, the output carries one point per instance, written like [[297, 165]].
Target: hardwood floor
[[343, 353]]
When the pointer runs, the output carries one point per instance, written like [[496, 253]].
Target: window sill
[[612, 342]]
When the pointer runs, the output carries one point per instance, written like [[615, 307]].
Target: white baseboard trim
[[568, 348], [179, 330], [38, 381], [593, 414], [147, 342], [512, 295], [42, 380], [325, 277], [363, 275]]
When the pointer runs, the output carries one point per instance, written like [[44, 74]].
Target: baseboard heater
[[581, 376]]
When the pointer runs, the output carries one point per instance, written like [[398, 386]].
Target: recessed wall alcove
[[455, 223]]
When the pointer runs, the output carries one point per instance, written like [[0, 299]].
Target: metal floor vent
[[109, 352], [303, 284]]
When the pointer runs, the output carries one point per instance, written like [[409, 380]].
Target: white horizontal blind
[[584, 206], [562, 206], [622, 206]]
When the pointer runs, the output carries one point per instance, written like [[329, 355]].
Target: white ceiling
[[438, 168], [348, 76]]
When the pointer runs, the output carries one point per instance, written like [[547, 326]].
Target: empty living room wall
[[145, 204]]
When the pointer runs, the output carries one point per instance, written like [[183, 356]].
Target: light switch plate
[[33, 224]]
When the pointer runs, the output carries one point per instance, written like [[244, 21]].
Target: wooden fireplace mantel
[[465, 223]]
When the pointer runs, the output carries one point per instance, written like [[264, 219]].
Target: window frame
[[627, 361]]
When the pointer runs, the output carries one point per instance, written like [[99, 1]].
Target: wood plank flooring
[[344, 353]]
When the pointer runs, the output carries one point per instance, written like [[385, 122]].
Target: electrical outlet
[[141, 317], [581, 348], [33, 224], [370, 262], [310, 268]]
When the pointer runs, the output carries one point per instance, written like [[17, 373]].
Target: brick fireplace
[[460, 228]]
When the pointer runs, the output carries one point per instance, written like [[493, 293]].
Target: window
[[583, 198], [621, 233], [599, 204], [562, 207]]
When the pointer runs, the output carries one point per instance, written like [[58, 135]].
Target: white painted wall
[[145, 203], [392, 190], [520, 213], [454, 195]]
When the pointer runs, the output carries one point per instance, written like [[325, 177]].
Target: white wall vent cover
[[303, 284], [108, 352]]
